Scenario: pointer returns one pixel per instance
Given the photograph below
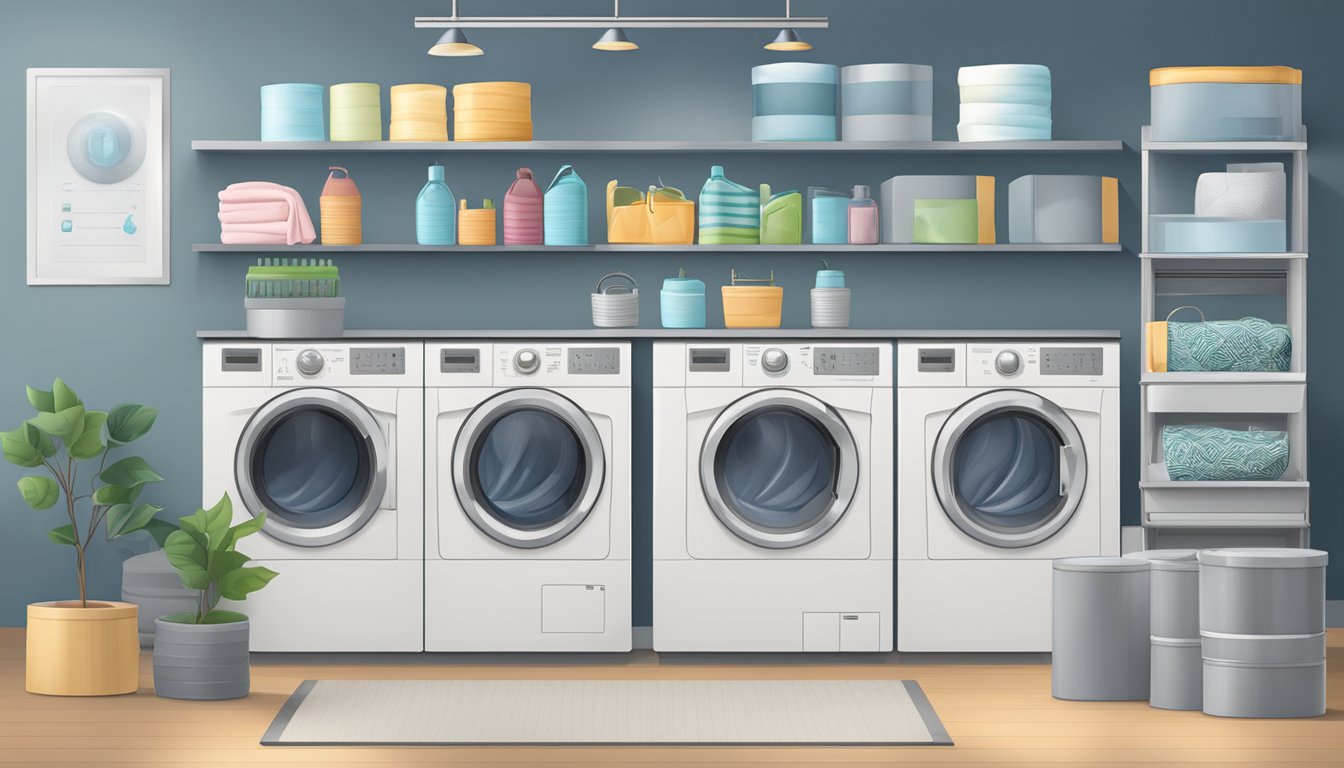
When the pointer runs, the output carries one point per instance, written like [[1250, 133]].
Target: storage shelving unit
[[640, 248], [1203, 514]]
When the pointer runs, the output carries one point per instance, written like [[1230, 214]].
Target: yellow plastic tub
[[476, 226], [752, 306], [671, 222]]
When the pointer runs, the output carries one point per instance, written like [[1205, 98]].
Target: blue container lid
[[688, 285], [830, 278]]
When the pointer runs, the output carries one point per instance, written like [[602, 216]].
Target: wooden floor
[[996, 713]]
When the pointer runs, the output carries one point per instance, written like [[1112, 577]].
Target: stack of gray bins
[[1176, 667], [1262, 623]]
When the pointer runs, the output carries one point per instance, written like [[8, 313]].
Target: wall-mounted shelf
[[703, 147], [695, 333], [1223, 378], [1224, 147], [627, 248]]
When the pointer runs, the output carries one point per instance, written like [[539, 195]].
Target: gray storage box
[[1262, 591], [1100, 629], [300, 318], [898, 201], [1062, 209], [1177, 679], [1264, 690], [886, 102]]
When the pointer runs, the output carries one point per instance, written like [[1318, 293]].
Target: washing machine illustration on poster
[[97, 176]]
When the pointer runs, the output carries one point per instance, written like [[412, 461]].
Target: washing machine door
[[779, 468], [1009, 468], [315, 461], [528, 467]]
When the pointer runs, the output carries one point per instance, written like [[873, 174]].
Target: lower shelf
[[634, 248], [1214, 504]]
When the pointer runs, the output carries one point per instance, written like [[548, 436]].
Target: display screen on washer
[[311, 468], [371, 361], [460, 361], [1071, 361], [594, 360], [775, 469], [529, 468], [845, 361], [712, 360]]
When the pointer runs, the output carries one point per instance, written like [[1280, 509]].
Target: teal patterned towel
[[1248, 344], [1212, 453]]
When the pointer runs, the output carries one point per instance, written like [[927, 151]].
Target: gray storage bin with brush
[[294, 298]]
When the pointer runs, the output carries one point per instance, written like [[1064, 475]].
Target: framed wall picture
[[98, 173]]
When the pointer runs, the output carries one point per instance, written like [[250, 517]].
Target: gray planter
[[201, 661], [152, 583]]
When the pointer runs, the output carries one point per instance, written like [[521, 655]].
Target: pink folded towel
[[257, 228], [257, 193], [252, 238], [235, 213]]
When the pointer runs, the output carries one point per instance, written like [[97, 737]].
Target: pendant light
[[454, 42], [788, 39], [614, 38]]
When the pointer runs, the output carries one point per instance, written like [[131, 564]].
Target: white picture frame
[[98, 145]]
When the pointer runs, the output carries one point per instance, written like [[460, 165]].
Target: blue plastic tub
[[794, 101], [292, 112], [1226, 103]]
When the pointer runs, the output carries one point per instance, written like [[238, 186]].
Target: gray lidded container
[[151, 582], [1100, 629], [886, 102], [314, 317], [201, 661], [1177, 677], [1262, 591], [1287, 689], [1055, 208], [1174, 592], [898, 201]]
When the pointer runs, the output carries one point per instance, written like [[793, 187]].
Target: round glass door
[[779, 468], [1009, 468], [528, 467], [311, 460]]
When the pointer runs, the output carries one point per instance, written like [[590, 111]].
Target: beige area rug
[[606, 712]]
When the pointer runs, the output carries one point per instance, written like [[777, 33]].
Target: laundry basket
[[616, 305]]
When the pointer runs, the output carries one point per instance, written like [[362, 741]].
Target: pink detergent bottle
[[524, 223], [862, 217]]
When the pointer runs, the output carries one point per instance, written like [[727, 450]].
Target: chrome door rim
[[847, 467], [366, 429], [475, 427], [971, 413]]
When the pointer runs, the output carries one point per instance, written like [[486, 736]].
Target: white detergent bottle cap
[[861, 192]]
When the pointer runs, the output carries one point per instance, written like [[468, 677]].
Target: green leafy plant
[[204, 553], [64, 433]]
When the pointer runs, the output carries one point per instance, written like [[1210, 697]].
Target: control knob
[[774, 360], [309, 362], [526, 361], [1008, 362]]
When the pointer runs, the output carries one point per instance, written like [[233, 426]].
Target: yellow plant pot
[[74, 651]]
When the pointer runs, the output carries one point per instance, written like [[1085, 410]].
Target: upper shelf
[[1224, 147], [704, 147], [640, 248]]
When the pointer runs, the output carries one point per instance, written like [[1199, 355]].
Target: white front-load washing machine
[[772, 497], [1007, 457], [527, 523], [326, 439]]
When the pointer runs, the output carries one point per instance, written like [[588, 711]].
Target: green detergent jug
[[782, 218]]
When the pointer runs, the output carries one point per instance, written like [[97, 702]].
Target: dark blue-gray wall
[[138, 343]]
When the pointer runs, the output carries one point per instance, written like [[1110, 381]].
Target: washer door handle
[[1064, 469]]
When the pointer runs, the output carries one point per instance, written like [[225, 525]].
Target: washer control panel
[[845, 361], [834, 364], [375, 361], [602, 361], [1026, 364], [1072, 361], [542, 363]]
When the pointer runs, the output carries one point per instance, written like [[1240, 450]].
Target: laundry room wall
[[138, 344]]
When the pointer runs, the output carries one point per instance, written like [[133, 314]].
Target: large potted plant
[[202, 654], [83, 647]]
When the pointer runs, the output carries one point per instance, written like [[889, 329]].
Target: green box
[[946, 221]]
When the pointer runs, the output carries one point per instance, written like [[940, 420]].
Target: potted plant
[[202, 654], [83, 647]]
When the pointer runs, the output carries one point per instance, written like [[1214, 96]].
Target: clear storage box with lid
[[794, 101], [1225, 103]]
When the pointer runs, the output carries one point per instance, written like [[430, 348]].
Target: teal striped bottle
[[730, 214]]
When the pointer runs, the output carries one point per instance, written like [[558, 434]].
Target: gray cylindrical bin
[[1174, 592], [1262, 622], [1262, 591], [1177, 679], [1100, 629]]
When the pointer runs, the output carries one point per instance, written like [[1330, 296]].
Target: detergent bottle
[[435, 211], [729, 212]]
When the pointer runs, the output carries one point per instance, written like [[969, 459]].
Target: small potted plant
[[83, 647], [202, 654]]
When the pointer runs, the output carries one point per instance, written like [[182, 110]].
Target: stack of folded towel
[[260, 212]]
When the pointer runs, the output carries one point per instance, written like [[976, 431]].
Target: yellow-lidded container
[[1223, 103], [752, 306]]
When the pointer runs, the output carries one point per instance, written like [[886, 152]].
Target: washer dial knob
[[526, 361], [1008, 362], [309, 362], [774, 360]]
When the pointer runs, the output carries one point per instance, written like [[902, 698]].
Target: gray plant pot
[[201, 661]]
